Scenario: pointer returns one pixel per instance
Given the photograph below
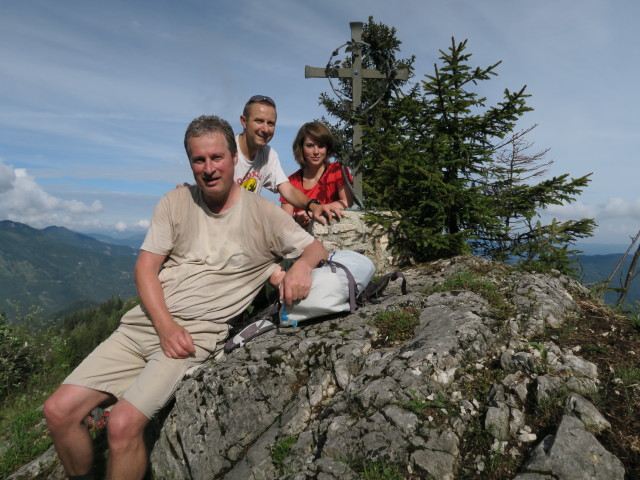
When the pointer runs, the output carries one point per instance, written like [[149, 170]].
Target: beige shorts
[[130, 364]]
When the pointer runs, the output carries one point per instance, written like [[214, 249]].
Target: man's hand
[[296, 284], [320, 211], [175, 341]]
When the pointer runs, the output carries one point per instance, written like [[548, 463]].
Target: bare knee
[[125, 425], [59, 412], [69, 405]]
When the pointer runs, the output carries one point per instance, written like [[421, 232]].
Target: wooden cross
[[356, 73]]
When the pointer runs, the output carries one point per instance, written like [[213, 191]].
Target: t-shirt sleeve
[[289, 239], [272, 173], [159, 238], [278, 173]]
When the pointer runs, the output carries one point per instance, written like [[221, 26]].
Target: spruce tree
[[518, 192], [440, 140], [435, 167]]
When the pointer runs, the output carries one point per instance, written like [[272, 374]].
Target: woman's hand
[[302, 219]]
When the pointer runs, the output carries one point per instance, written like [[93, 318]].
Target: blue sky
[[95, 96]]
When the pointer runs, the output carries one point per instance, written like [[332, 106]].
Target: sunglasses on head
[[262, 98]]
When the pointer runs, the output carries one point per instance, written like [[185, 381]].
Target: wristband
[[313, 200]]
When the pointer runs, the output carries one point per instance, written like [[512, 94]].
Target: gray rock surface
[[571, 454], [347, 402], [585, 411], [330, 399]]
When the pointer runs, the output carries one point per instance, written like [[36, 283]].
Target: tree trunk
[[630, 277]]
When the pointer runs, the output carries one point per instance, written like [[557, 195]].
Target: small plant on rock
[[500, 306], [424, 407], [629, 375], [380, 470], [395, 326], [281, 450]]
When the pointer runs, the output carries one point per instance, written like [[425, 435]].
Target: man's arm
[[296, 284], [175, 341], [299, 200]]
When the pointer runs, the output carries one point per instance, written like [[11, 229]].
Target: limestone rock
[[572, 454], [332, 398]]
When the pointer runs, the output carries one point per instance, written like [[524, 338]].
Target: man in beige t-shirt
[[208, 251]]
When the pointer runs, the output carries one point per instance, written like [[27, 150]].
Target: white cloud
[[143, 223], [75, 206], [574, 211], [121, 226], [618, 207], [7, 177], [614, 207], [617, 218], [23, 200]]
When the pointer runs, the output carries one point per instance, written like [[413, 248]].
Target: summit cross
[[356, 73]]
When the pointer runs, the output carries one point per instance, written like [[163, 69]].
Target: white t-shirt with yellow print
[[265, 170]]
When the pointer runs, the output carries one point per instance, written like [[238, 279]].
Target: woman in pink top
[[317, 178]]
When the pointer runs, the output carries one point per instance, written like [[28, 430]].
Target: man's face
[[259, 125], [212, 166]]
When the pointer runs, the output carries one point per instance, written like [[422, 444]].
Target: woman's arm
[[345, 196]]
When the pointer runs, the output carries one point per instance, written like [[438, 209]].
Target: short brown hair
[[257, 99], [319, 133], [207, 124]]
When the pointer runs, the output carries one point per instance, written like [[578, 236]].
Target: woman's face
[[314, 153]]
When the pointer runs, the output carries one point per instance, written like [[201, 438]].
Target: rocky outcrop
[[352, 233], [329, 400], [442, 383]]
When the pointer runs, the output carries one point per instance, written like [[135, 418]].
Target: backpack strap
[[262, 323], [350, 280], [373, 292], [348, 180]]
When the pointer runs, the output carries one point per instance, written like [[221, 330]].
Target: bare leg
[[127, 451], [64, 410]]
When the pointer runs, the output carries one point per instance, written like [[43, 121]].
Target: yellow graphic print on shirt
[[250, 184]]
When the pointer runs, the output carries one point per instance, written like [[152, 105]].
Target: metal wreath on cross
[[357, 74], [331, 71]]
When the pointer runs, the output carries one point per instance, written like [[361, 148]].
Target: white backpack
[[335, 285], [338, 284]]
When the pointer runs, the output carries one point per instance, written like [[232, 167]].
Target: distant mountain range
[[597, 268], [134, 241], [589, 248], [60, 271], [55, 268]]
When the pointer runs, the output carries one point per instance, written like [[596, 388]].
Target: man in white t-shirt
[[259, 166], [209, 249]]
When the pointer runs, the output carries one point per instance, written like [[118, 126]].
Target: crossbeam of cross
[[357, 74]]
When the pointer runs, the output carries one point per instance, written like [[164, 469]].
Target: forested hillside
[[33, 365], [45, 271]]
